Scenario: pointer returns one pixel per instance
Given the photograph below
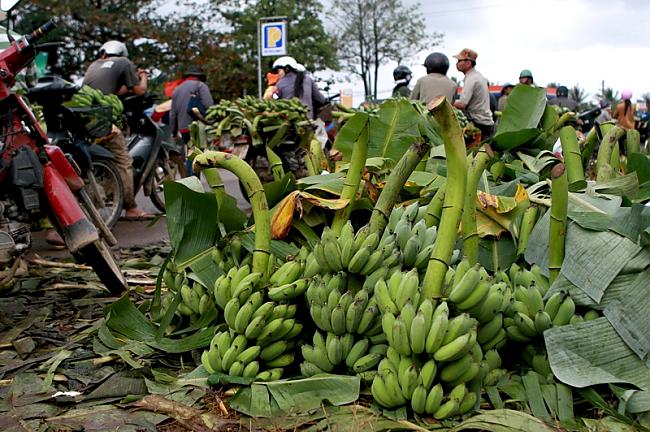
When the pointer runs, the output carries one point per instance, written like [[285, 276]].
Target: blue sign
[[274, 38]]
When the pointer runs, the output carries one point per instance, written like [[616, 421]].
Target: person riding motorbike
[[402, 76], [294, 82], [435, 83], [562, 99], [114, 73]]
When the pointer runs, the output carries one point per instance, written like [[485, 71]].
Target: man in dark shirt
[[562, 99], [114, 73]]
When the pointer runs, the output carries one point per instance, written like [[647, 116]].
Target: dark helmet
[[562, 91], [437, 62], [402, 72]]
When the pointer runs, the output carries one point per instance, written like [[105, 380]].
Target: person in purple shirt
[[294, 82]]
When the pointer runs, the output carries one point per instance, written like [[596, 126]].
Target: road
[[131, 234]]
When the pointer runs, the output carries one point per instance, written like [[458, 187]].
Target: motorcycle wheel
[[163, 170], [107, 192], [98, 256]]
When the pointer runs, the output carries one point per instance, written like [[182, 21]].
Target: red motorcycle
[[37, 180]]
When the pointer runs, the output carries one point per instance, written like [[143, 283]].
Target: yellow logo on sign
[[273, 36]]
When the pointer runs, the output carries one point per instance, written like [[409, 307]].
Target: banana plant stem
[[394, 184], [470, 231], [452, 210], [256, 196], [557, 229], [603, 168], [352, 180]]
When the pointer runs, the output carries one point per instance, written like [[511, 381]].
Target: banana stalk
[[398, 176], [276, 164], [454, 197], [633, 142], [434, 209], [615, 161], [470, 231], [256, 196], [214, 180], [315, 156], [527, 224], [352, 180], [557, 230], [572, 156], [591, 140], [603, 168]]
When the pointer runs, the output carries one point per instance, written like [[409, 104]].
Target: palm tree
[[578, 94], [608, 95]]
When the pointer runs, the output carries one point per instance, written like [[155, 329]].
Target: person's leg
[[117, 145]]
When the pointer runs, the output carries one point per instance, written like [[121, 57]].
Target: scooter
[[66, 128], [37, 180], [152, 149]]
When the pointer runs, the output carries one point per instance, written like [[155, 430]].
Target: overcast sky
[[566, 41]]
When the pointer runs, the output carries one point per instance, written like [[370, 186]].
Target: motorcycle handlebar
[[41, 31]]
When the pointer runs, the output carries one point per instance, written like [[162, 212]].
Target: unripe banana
[[308, 369], [458, 326], [434, 399], [447, 409], [381, 394], [454, 370], [475, 297], [367, 362], [454, 349], [273, 350], [515, 334], [493, 359], [359, 260], [526, 325], [374, 261], [231, 310], [410, 251], [318, 357], [542, 322], [368, 318], [384, 300], [438, 330], [400, 337], [387, 323], [334, 349], [407, 289], [243, 317], [489, 330], [338, 320], [249, 354], [465, 286], [534, 301], [409, 381], [565, 312], [419, 400], [251, 369], [358, 350], [428, 373], [418, 333], [497, 342], [333, 255], [553, 304], [281, 361], [468, 402]]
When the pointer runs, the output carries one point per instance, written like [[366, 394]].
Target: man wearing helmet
[[475, 98], [562, 99], [294, 82], [402, 76], [435, 83], [526, 78], [114, 73]]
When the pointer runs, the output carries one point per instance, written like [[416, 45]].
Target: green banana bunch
[[238, 284], [332, 352], [195, 299]]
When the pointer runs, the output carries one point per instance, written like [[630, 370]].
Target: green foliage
[[170, 43], [308, 42], [372, 32]]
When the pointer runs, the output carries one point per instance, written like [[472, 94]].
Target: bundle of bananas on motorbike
[[266, 122], [88, 97]]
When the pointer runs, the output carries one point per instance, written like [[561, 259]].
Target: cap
[[466, 54], [525, 74]]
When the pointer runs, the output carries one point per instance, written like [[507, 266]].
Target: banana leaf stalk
[[603, 168], [276, 164], [256, 196], [452, 210], [352, 179], [615, 160], [528, 221], [572, 156], [315, 158], [633, 142], [214, 180], [557, 230], [470, 232], [591, 140], [434, 209], [394, 184]]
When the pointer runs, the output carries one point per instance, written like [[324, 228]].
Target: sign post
[[271, 41]]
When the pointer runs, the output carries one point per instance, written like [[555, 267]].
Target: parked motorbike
[[74, 131], [38, 181], [152, 149]]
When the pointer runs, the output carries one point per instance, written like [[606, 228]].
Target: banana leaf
[[394, 129], [190, 219], [497, 253], [504, 420], [592, 353], [538, 163], [640, 164], [347, 136], [521, 117], [624, 186], [283, 214], [281, 398]]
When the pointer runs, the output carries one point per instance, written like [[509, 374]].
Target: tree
[[579, 95], [168, 43], [308, 42], [607, 95], [372, 32]]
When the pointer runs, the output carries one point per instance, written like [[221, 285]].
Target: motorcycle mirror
[[8, 5]]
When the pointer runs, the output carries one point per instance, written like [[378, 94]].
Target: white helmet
[[286, 61], [114, 48]]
